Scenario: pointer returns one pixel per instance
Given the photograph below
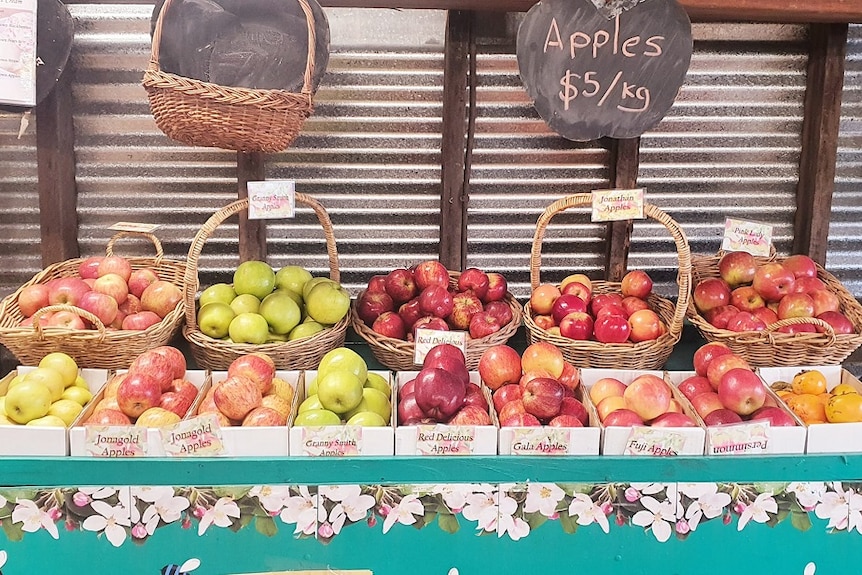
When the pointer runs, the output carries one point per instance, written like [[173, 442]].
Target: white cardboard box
[[48, 441], [824, 437], [615, 439], [78, 433], [448, 440], [369, 440]]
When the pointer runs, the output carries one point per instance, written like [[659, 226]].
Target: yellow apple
[[52, 379], [47, 421], [27, 401], [62, 363], [77, 394], [66, 409]]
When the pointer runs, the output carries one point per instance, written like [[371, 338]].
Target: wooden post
[[819, 155], [625, 158], [252, 233], [55, 155]]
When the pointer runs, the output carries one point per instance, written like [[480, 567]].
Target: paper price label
[[654, 442], [428, 338], [197, 437], [615, 205], [271, 199], [134, 227], [445, 439], [541, 440], [332, 440], [738, 438], [115, 441], [742, 236]]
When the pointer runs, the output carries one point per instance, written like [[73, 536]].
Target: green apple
[[310, 402], [79, 395], [339, 391], [343, 359], [255, 278], [378, 382], [248, 328], [292, 278], [214, 319], [295, 296], [81, 382], [316, 417], [66, 409], [374, 401], [52, 379], [276, 337], [47, 421], [311, 387], [280, 312], [245, 303], [367, 419], [305, 329], [62, 363], [27, 400], [310, 284], [327, 303], [222, 293]]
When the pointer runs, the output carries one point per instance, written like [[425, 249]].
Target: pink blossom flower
[[682, 527], [81, 499], [632, 494], [139, 531], [325, 530]]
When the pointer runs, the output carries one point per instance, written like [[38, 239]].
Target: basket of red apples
[[103, 311], [603, 324], [391, 308], [774, 311]]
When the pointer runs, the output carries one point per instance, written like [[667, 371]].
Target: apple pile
[[442, 392], [647, 400], [537, 388], [404, 300], [152, 393], [748, 296], [262, 306], [108, 288], [250, 396], [345, 392], [726, 390], [52, 395], [572, 311]]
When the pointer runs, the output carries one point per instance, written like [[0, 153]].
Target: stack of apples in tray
[[108, 288], [404, 300], [574, 312], [749, 296]]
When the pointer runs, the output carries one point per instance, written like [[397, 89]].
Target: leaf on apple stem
[[800, 520], [14, 531], [568, 523], [534, 520], [448, 523], [265, 526]]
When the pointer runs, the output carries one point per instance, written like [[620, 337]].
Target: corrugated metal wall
[[371, 154]]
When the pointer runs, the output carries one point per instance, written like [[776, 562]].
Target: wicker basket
[[398, 354], [201, 113], [304, 353], [642, 355], [100, 347], [773, 348]]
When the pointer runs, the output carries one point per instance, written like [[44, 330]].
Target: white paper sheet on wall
[[18, 52]]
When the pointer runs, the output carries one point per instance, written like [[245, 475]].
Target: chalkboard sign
[[590, 76]]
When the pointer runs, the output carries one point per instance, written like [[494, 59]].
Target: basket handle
[[190, 280], [109, 249], [312, 43], [97, 323], [828, 331], [651, 211]]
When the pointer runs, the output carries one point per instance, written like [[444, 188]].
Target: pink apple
[[237, 396], [498, 287], [258, 367], [746, 298], [807, 285], [719, 316], [32, 298], [577, 325], [776, 416], [801, 266], [483, 324], [499, 365], [648, 395], [475, 280], [710, 293], [645, 325], [622, 418], [112, 285], [798, 328], [542, 397], [140, 321], [67, 291], [100, 305], [431, 273], [773, 281], [611, 329], [573, 407], [400, 285], [694, 386], [823, 299], [137, 393], [140, 280], [161, 297], [157, 366], [839, 322], [471, 415], [632, 304], [370, 304], [175, 402], [564, 420], [89, 268], [796, 305], [476, 397], [721, 416], [601, 300], [706, 353], [184, 387], [66, 319], [706, 403], [108, 416], [745, 321], [673, 420], [390, 324], [721, 365], [511, 408], [505, 394], [464, 306], [131, 305], [636, 283], [579, 289], [501, 310], [606, 387], [741, 390], [262, 416], [737, 268], [520, 420], [175, 357], [115, 265], [766, 315]]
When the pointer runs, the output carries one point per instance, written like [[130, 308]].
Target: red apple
[[464, 306], [161, 297], [601, 300], [648, 396], [632, 304], [645, 325], [801, 266], [32, 298], [611, 329], [264, 417], [89, 268], [737, 268], [636, 283], [824, 300], [100, 305], [115, 265], [766, 315], [475, 396], [236, 396], [408, 408], [839, 322], [542, 397], [694, 386], [798, 328], [176, 359], [377, 283], [741, 390], [258, 367], [544, 322], [542, 355], [108, 417], [66, 320], [140, 321], [606, 387], [409, 387], [483, 324], [807, 285], [66, 291], [390, 324], [721, 365], [471, 415], [370, 304], [500, 310], [131, 305], [571, 377], [156, 365], [706, 403], [719, 316], [183, 387], [746, 298], [430, 322], [410, 313], [776, 416], [564, 420], [520, 420], [673, 420], [475, 280], [566, 304], [112, 285], [773, 281], [573, 407], [138, 392], [499, 365], [431, 273], [721, 416], [400, 285], [612, 309], [577, 325], [511, 408], [745, 321], [449, 358], [543, 297], [710, 293], [796, 305], [622, 418], [436, 300], [175, 402], [140, 280], [505, 394], [498, 287], [577, 288], [706, 353], [439, 393]]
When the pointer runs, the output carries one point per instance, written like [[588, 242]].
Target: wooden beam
[[454, 167], [820, 127], [625, 159], [55, 155], [252, 233]]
